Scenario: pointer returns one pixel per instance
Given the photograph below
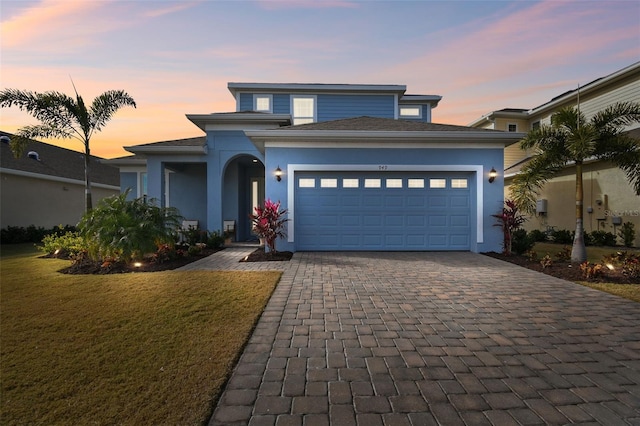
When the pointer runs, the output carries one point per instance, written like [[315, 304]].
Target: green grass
[[145, 348]]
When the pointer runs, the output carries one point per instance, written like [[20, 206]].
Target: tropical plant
[[67, 245], [571, 139], [268, 223], [510, 219], [603, 238], [628, 234], [64, 117], [521, 241], [126, 230]]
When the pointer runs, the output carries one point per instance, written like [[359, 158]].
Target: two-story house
[[358, 167], [609, 199]]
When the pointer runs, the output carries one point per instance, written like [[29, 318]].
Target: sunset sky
[[176, 57]]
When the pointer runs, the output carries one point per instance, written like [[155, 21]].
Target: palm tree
[[63, 117], [571, 139]]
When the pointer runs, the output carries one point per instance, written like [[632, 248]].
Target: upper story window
[[410, 111], [535, 125], [512, 127], [303, 109], [263, 103]]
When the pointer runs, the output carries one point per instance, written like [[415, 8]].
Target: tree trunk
[[579, 251], [87, 182]]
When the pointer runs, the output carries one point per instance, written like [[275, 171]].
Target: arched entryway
[[243, 189]]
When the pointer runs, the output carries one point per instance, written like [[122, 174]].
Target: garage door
[[383, 211]]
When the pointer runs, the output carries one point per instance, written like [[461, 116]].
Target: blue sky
[[176, 57]]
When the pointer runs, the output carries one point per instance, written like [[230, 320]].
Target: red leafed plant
[[509, 219], [268, 223]]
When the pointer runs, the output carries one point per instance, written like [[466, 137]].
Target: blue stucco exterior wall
[[399, 159], [129, 180], [188, 192]]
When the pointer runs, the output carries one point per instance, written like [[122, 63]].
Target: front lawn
[[137, 348]]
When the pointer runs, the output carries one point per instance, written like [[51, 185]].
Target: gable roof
[[366, 123], [56, 162], [380, 132]]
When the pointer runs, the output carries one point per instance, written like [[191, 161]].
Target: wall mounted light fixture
[[278, 174], [492, 175]]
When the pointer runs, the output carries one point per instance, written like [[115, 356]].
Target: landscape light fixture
[[278, 174], [492, 175]]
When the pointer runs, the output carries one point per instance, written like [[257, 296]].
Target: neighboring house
[[45, 186], [609, 199], [362, 168]]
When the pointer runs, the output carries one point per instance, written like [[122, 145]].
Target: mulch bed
[[100, 268], [259, 255], [565, 270]]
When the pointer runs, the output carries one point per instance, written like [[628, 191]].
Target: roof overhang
[[164, 149], [132, 160], [235, 88], [390, 139], [420, 99], [238, 121]]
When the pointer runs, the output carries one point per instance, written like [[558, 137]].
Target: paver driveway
[[434, 338]]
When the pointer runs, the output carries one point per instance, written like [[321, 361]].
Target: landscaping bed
[[259, 255], [565, 270]]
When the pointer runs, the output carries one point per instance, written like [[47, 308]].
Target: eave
[[335, 137], [163, 149], [239, 120]]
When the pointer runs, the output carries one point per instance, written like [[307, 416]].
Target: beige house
[[609, 199], [45, 187]]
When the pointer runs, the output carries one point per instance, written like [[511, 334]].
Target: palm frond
[[617, 116], [527, 184], [105, 105]]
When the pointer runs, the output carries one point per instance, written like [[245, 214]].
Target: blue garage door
[[383, 211]]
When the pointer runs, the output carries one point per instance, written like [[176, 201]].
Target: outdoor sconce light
[[492, 175], [278, 174]]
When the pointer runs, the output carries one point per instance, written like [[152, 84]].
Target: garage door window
[[350, 183], [394, 183], [307, 183], [372, 183], [328, 183], [437, 183], [415, 183], [458, 183]]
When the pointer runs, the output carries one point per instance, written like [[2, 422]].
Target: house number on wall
[[382, 167]]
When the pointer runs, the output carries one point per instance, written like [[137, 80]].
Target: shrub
[[538, 236], [30, 234], [68, 245], [603, 238], [628, 262], [562, 236], [564, 255], [546, 261], [591, 271], [126, 230], [509, 220], [215, 240], [268, 223], [521, 242], [628, 234]]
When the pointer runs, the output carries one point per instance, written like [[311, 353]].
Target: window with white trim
[[410, 111], [263, 103], [511, 127], [142, 184], [303, 109]]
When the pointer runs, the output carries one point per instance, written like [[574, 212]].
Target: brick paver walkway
[[434, 338]]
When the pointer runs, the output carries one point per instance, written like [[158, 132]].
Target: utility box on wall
[[541, 207]]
